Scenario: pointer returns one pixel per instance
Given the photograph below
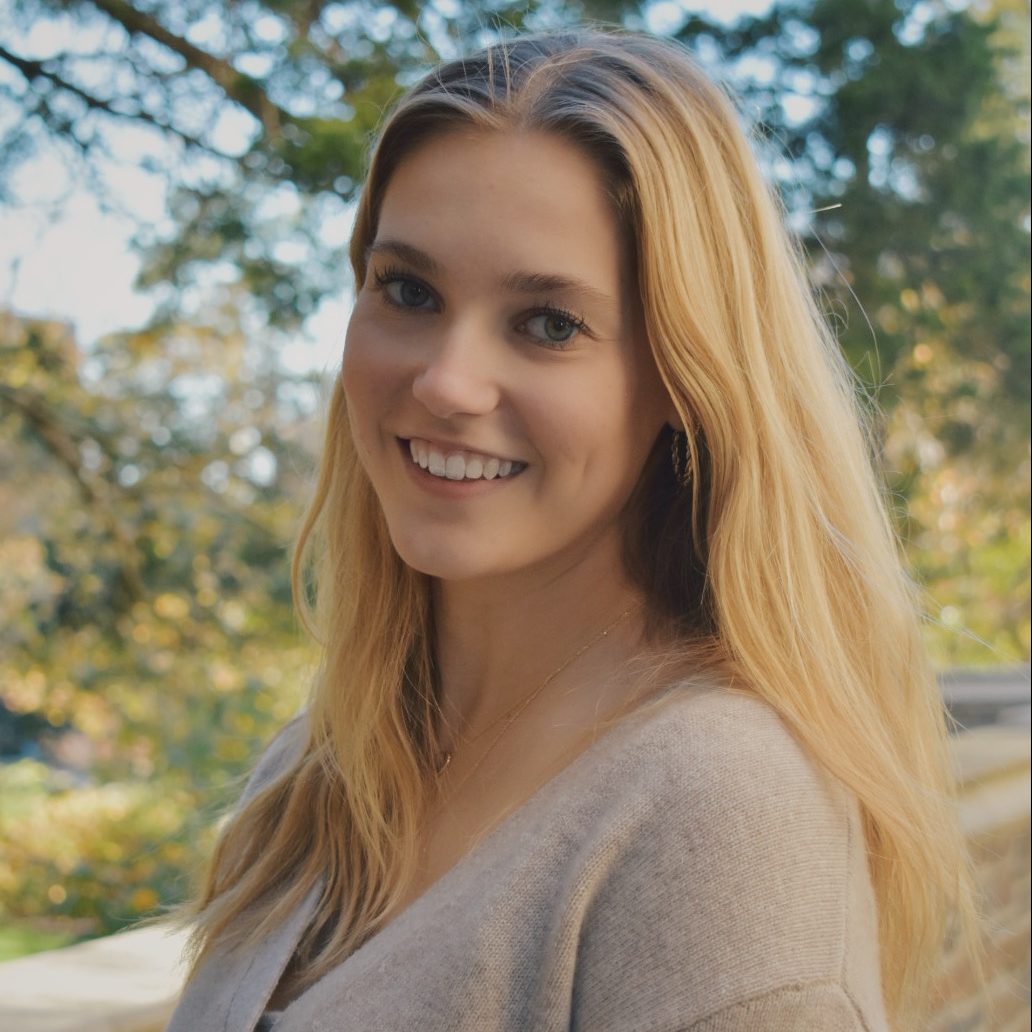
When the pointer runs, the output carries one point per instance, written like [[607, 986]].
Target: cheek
[[626, 416], [370, 372], [584, 423], [363, 381]]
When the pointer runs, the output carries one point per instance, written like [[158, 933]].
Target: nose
[[458, 376]]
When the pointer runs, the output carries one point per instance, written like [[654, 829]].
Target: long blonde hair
[[781, 558]]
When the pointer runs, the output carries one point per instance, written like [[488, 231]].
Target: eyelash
[[391, 274]]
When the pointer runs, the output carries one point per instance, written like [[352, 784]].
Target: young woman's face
[[501, 393]]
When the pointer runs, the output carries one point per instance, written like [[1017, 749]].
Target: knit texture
[[691, 871]]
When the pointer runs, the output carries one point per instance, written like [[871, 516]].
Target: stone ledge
[[987, 753], [998, 804], [121, 983], [992, 764]]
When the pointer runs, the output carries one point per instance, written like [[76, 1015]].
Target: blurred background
[[176, 187]]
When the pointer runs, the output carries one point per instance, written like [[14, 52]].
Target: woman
[[623, 720]]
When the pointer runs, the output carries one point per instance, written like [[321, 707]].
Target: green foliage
[[150, 509], [19, 941], [960, 452], [904, 161], [927, 182], [145, 609], [91, 859]]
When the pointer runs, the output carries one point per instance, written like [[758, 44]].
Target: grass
[[20, 941]]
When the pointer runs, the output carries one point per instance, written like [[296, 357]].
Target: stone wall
[[128, 982], [993, 765]]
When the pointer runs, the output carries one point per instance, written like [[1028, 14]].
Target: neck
[[500, 638]]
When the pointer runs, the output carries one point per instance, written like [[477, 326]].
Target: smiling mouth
[[457, 464]]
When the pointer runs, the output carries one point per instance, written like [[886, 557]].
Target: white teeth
[[460, 465], [418, 453], [436, 464]]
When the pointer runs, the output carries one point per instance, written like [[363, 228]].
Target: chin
[[436, 558]]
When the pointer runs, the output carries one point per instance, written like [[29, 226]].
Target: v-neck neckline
[[383, 937]]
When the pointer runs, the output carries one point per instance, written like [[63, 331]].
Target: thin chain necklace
[[514, 712]]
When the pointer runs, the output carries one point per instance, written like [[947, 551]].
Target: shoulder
[[718, 772], [723, 757], [739, 871]]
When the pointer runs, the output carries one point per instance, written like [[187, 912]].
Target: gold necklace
[[513, 713]]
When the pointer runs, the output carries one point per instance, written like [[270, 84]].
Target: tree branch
[[97, 492], [32, 69], [244, 89]]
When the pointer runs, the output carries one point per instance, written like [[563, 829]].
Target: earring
[[679, 457]]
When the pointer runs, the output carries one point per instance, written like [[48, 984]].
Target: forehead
[[505, 199]]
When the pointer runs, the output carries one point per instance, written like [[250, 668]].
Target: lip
[[441, 486]]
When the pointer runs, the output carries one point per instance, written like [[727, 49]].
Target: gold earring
[[679, 458]]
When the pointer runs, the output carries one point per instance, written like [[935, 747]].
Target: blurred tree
[[899, 132], [258, 113], [887, 115], [146, 510]]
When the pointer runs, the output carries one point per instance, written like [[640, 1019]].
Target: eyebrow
[[518, 282], [418, 259], [546, 283]]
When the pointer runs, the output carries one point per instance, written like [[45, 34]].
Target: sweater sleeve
[[734, 896], [821, 1007]]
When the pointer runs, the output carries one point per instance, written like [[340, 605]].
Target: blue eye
[[552, 326], [403, 291]]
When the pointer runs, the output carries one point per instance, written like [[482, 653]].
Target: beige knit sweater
[[692, 871]]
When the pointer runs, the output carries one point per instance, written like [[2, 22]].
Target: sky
[[64, 257]]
